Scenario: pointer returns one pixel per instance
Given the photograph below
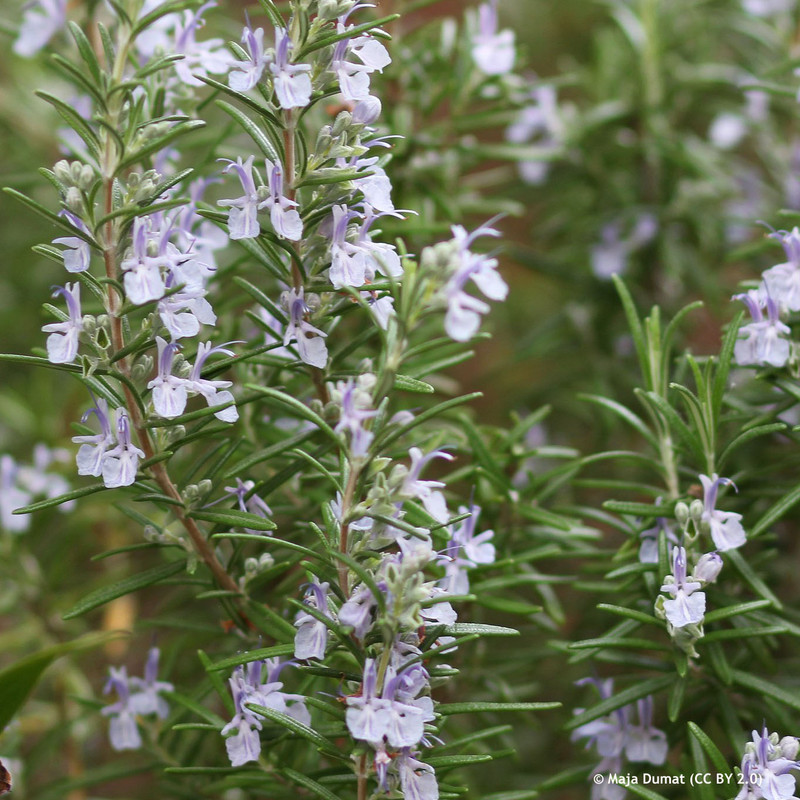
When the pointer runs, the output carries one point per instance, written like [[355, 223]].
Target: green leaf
[[459, 760], [325, 41], [309, 783], [159, 143], [766, 688], [297, 406], [62, 498], [74, 120], [470, 628], [408, 384], [135, 582], [296, 728], [746, 436], [750, 576], [624, 413], [85, 49], [235, 518], [623, 698], [200, 710], [448, 709], [775, 512], [56, 220], [251, 129], [634, 323], [253, 655], [676, 695], [711, 750], [639, 509], [18, 680], [640, 791], [639, 616]]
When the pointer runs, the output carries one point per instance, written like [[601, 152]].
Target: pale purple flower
[[62, 343], [348, 261], [353, 76], [251, 504], [726, 528], [367, 110], [142, 266], [645, 743], [310, 341], [417, 779], [782, 282], [382, 308], [184, 311], [246, 74], [121, 462], [426, 491], [214, 391], [463, 311], [41, 21], [12, 497], [169, 391], [312, 634], [707, 568], [380, 256], [610, 256], [371, 718], [77, 254], [465, 551], [648, 551], [282, 211], [688, 604], [38, 480], [538, 120], [376, 188], [247, 688], [199, 58], [493, 52], [147, 699], [243, 214], [358, 611], [762, 341], [355, 411], [291, 81], [123, 731], [93, 448]]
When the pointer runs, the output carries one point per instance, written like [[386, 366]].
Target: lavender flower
[[243, 214], [494, 53], [538, 120], [426, 491], [648, 550], [247, 688], [688, 605], [123, 731], [41, 21], [78, 254], [62, 343], [142, 266], [250, 505], [610, 256], [210, 389], [93, 448], [725, 526], [285, 219], [353, 76], [246, 74], [782, 282], [291, 81], [169, 391], [119, 464], [12, 497], [199, 58], [463, 311], [762, 341], [310, 340], [312, 634], [356, 402], [465, 551], [417, 779], [147, 699]]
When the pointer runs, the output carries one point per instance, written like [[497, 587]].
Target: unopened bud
[[708, 567], [324, 141], [367, 110], [682, 514], [87, 178], [789, 747], [342, 122], [74, 199], [62, 172], [696, 510]]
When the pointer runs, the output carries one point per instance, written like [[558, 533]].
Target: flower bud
[[367, 110], [74, 199], [62, 172], [682, 514], [87, 178], [696, 510], [708, 567], [789, 747], [342, 122]]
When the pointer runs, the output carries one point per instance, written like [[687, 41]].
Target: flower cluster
[[766, 764], [685, 606], [617, 739], [135, 697], [766, 340]]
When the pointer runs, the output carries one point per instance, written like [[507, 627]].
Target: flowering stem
[[347, 501], [362, 777]]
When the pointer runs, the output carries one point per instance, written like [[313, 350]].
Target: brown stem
[[159, 471], [362, 777]]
